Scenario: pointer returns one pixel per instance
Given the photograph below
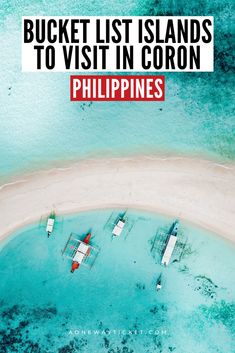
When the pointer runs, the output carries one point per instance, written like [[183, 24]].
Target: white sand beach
[[198, 191]]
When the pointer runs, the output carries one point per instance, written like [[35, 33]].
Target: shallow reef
[[221, 312], [19, 323], [205, 286]]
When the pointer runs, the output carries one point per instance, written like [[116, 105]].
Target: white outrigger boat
[[170, 243], [50, 224], [118, 228]]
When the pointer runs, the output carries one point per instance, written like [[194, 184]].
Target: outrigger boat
[[79, 250], [50, 224], [159, 283], [118, 228], [170, 243]]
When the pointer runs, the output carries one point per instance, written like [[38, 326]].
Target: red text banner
[[117, 88]]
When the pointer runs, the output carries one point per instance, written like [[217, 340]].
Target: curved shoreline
[[199, 191]]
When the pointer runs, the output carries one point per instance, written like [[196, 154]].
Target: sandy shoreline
[[199, 191]]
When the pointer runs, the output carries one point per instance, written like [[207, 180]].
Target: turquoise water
[[44, 307], [39, 126]]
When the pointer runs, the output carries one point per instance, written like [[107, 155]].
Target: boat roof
[[50, 221], [169, 250], [78, 257], [50, 224], [121, 223], [83, 248], [117, 230]]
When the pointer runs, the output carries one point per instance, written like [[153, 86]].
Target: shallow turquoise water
[[39, 126], [44, 306]]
